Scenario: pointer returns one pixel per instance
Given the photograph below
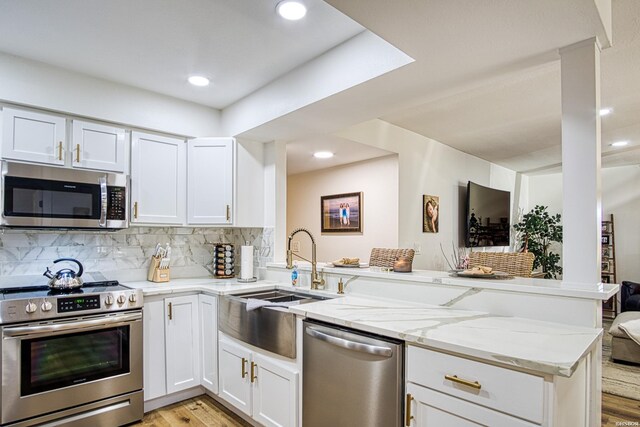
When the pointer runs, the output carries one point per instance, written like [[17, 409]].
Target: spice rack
[[223, 261]]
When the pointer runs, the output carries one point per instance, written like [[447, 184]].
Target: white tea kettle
[[65, 278]]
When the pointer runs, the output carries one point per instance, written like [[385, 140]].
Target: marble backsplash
[[124, 254]]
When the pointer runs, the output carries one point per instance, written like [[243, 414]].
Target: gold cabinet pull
[[135, 210], [253, 371], [244, 364], [60, 150], [170, 311], [228, 212], [78, 153], [455, 379], [409, 417]]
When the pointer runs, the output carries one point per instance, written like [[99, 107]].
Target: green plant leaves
[[537, 230]]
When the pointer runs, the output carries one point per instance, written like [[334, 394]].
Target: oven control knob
[[31, 308], [46, 306], [121, 299], [133, 298], [108, 300]]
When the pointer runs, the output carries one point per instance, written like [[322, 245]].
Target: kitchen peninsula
[[486, 331]]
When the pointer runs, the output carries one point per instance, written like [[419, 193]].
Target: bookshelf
[[608, 265]]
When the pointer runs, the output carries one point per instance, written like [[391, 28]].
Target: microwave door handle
[[103, 202]]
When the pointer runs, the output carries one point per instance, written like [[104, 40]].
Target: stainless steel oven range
[[71, 358]]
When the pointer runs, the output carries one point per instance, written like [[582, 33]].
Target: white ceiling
[[241, 45], [485, 78]]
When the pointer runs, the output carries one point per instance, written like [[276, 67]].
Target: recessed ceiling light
[[605, 111], [620, 143], [291, 10], [323, 154], [198, 81]]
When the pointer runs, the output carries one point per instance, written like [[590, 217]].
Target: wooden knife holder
[[157, 274]]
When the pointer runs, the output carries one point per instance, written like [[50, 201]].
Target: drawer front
[[431, 408], [502, 389]]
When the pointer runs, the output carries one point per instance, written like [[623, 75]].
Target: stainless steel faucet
[[317, 281]]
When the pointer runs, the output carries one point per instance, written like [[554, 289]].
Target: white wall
[[620, 197], [377, 179], [428, 167], [39, 85]]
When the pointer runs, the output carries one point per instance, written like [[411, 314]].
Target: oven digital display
[[78, 303]]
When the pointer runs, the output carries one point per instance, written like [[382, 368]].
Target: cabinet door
[[429, 408], [182, 343], [33, 137], [209, 342], [210, 181], [155, 383], [275, 393], [98, 147], [158, 179], [234, 375]]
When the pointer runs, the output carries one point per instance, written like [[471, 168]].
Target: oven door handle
[[19, 331]]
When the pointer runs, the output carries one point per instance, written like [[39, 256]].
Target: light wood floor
[[204, 411], [619, 409], [197, 412]]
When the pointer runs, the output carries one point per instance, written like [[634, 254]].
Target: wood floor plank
[[617, 410], [196, 412]]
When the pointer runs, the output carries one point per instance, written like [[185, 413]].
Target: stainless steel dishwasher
[[350, 378]]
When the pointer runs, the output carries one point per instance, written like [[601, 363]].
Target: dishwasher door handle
[[350, 345]]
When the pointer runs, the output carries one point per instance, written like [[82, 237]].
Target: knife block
[[157, 274]]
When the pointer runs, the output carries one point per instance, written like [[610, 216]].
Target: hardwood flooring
[[617, 410], [204, 411], [200, 411]]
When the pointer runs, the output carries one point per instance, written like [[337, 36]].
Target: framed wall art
[[430, 212], [341, 213]]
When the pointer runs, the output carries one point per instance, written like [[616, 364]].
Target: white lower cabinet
[[180, 345], [429, 408], [208, 310], [258, 385]]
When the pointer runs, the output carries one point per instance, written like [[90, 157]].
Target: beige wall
[[620, 197], [377, 179], [427, 166]]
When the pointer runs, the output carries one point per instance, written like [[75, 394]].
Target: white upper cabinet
[[158, 175], [33, 137], [98, 147], [210, 166]]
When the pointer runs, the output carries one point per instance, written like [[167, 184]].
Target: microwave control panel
[[117, 203], [78, 303]]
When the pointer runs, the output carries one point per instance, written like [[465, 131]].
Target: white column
[[581, 199], [275, 195], [581, 206]]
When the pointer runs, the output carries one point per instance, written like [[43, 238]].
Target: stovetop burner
[[44, 291]]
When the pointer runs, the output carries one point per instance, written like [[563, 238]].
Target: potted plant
[[536, 232]]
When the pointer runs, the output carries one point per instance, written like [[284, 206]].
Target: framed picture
[[604, 266], [341, 213], [430, 213], [606, 239], [606, 279], [606, 252]]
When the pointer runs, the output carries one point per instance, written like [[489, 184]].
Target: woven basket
[[513, 263], [382, 257]]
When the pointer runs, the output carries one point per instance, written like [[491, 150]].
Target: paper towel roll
[[246, 262]]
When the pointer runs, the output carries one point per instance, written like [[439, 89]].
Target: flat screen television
[[488, 219]]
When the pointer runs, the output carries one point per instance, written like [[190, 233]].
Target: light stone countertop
[[601, 291], [543, 347]]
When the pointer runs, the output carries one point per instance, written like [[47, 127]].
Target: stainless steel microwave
[[50, 197]]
